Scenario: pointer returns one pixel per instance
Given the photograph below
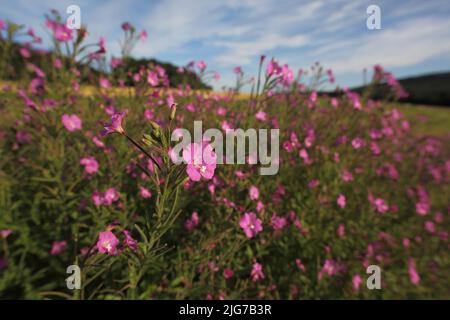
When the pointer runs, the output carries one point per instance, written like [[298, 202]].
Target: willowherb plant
[[357, 186]]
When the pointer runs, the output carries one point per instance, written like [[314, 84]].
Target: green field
[[428, 120]]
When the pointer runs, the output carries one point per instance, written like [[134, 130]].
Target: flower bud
[[156, 128], [147, 140], [173, 111]]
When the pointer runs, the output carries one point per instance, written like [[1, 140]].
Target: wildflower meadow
[[103, 196]]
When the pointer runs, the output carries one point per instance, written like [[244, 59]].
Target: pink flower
[[62, 33], [3, 25], [115, 125], [422, 208], [330, 75], [300, 265], [24, 52], [90, 165], [257, 273], [406, 242], [341, 230], [143, 35], [97, 198], [304, 155], [192, 222], [259, 206], [347, 176], [98, 142], [116, 62], [356, 282], [201, 65], [213, 266], [145, 193], [111, 195], [413, 275], [250, 224], [430, 226], [357, 143], [313, 96], [126, 26], [129, 241], [334, 102], [261, 115], [201, 161], [107, 243], [21, 136], [152, 79], [273, 68], [71, 122], [228, 273], [375, 148], [278, 222], [5, 233], [341, 201], [190, 107], [237, 70], [104, 83], [288, 146], [287, 75], [253, 192], [170, 100], [314, 183], [57, 63], [58, 247], [330, 267], [380, 205]]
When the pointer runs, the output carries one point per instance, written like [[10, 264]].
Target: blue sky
[[414, 39]]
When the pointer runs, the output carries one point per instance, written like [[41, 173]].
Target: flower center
[[107, 245], [201, 167]]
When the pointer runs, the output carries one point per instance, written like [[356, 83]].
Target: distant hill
[[176, 78], [15, 68], [431, 89]]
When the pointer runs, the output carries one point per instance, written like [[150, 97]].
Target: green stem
[[143, 150]]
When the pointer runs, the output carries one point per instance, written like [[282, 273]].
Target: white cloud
[[409, 43], [242, 52]]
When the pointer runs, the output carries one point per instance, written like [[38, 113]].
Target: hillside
[[429, 89]]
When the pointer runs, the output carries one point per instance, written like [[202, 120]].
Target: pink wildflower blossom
[[250, 224], [192, 222], [90, 165], [129, 241], [228, 273], [278, 222], [145, 193], [257, 272], [201, 161], [341, 201], [107, 243], [115, 125], [58, 247], [413, 275], [356, 282], [253, 192], [71, 122], [111, 195]]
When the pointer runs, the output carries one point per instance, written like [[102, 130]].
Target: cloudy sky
[[414, 39]]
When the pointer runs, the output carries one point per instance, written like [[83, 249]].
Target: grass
[[427, 120]]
